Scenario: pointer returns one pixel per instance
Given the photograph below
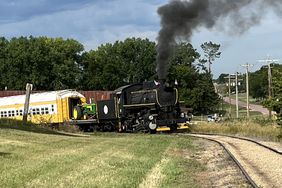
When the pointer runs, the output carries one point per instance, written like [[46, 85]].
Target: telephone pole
[[268, 62], [229, 92], [236, 85], [247, 65]]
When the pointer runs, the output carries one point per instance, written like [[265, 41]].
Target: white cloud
[[92, 25]]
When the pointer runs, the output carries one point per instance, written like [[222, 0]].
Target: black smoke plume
[[179, 19]]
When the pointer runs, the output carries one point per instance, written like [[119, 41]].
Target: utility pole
[[247, 65], [268, 62], [229, 92], [236, 85], [26, 104]]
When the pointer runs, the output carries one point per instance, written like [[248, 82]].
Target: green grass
[[37, 159], [35, 128], [224, 110], [256, 128], [180, 170], [225, 107], [243, 97]]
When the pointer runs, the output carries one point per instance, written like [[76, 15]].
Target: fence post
[[26, 104]]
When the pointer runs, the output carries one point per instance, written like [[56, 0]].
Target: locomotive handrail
[[145, 104]]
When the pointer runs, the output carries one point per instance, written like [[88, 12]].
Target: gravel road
[[263, 165]]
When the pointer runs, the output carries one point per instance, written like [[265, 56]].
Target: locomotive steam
[[180, 18]]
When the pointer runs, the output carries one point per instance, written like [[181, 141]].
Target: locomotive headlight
[[151, 117], [182, 115]]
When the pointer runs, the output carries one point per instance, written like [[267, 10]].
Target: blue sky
[[94, 22]]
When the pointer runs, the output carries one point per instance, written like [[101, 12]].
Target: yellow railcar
[[46, 107]]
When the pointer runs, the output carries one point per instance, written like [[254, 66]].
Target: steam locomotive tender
[[141, 107]]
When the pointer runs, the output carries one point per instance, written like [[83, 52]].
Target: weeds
[[258, 128], [46, 128]]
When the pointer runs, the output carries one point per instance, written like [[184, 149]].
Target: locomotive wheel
[[77, 113], [153, 127]]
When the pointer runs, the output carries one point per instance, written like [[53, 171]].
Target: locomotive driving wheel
[[153, 127]]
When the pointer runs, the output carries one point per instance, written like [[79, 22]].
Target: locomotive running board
[[161, 129]]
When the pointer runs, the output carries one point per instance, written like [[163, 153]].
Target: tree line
[[260, 88], [57, 63]]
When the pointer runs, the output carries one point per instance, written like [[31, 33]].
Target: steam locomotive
[[147, 107]]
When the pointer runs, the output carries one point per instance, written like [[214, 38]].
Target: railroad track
[[259, 163]]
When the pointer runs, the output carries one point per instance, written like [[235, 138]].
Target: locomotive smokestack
[[180, 18]]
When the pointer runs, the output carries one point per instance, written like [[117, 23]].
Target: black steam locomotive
[[147, 107]]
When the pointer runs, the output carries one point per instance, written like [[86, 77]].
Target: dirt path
[[220, 171], [263, 165], [154, 178]]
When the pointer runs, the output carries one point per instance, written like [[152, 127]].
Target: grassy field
[[242, 97], [265, 130], [258, 126], [224, 107], [242, 111], [44, 159]]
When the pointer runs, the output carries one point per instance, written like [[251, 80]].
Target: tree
[[17, 66], [47, 63], [114, 65], [139, 57], [259, 83], [211, 51], [182, 65], [56, 63], [3, 52], [103, 68], [222, 78], [65, 58], [195, 86], [275, 103]]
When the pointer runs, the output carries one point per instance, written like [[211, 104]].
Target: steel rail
[[247, 176], [241, 138]]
